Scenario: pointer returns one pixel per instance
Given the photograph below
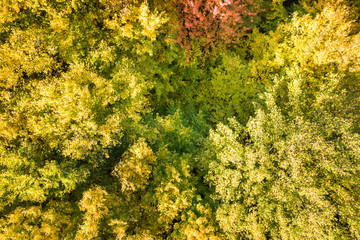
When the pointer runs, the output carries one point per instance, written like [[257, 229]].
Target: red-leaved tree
[[213, 23]]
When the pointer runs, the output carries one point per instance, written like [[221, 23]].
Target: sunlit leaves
[[212, 24], [134, 169], [277, 176], [316, 44], [106, 106], [93, 204], [56, 220]]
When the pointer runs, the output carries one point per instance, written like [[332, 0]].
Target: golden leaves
[[134, 169]]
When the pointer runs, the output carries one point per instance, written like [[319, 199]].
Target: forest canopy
[[179, 119]]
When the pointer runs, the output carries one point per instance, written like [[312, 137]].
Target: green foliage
[[105, 120], [229, 90], [175, 142], [275, 13], [292, 172], [154, 185]]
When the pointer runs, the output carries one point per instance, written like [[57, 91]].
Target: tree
[[229, 89], [69, 95], [273, 15], [292, 171], [212, 24], [326, 42], [106, 106], [56, 220]]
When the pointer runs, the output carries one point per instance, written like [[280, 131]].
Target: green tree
[[157, 180], [228, 89], [292, 171], [274, 14]]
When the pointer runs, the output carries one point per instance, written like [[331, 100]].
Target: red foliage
[[213, 22]]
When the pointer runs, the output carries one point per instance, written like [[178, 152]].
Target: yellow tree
[[317, 45], [69, 93]]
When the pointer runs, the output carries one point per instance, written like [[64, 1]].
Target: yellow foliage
[[197, 224], [134, 169], [94, 204], [55, 221], [139, 22], [317, 45], [324, 40], [26, 51]]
